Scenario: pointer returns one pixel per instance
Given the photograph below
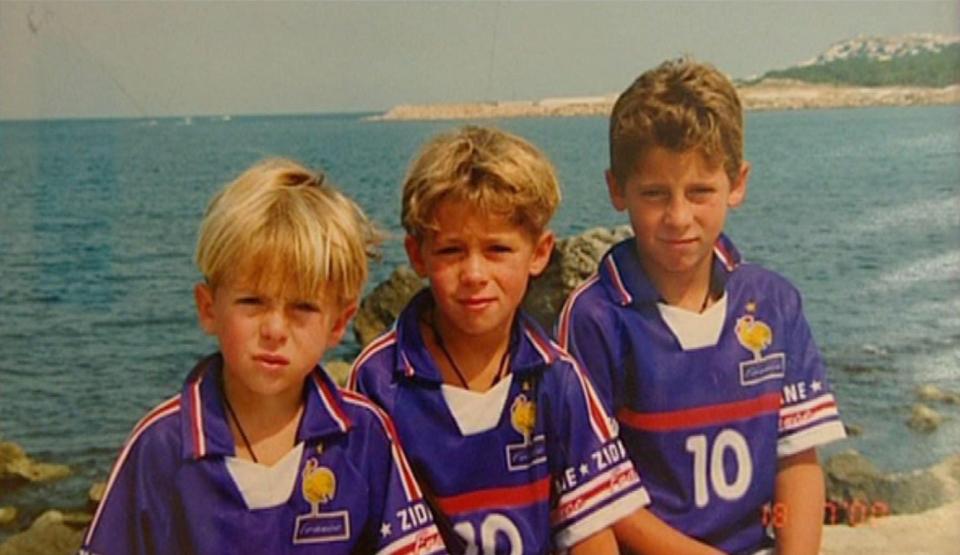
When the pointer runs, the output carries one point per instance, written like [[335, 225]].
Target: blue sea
[[859, 207]]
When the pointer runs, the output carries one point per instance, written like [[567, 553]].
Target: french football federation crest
[[523, 416], [318, 485], [533, 449], [756, 336]]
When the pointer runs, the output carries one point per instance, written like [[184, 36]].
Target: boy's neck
[[270, 423], [691, 291], [478, 359]]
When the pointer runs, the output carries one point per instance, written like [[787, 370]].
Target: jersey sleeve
[[808, 414], [595, 481], [401, 521], [135, 516], [587, 335]]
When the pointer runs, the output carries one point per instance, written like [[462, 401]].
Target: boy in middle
[[502, 427]]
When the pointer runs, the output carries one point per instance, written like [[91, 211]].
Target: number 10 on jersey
[[709, 471]]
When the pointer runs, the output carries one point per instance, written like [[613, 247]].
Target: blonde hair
[[494, 171], [679, 105], [282, 229]]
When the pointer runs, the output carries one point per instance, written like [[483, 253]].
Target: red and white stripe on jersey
[[542, 345], [196, 418], [599, 420], [625, 298], [724, 255], [697, 417], [806, 413], [371, 349], [809, 424], [496, 498], [575, 503], [421, 542], [407, 480], [329, 401], [563, 328], [164, 409]]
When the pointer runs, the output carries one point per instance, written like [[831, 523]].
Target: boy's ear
[[542, 250], [738, 189], [414, 254], [203, 296], [340, 324], [617, 198]]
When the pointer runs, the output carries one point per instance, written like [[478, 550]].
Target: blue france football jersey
[[345, 488], [707, 402], [544, 471]]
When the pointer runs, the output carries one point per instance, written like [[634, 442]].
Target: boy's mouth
[[476, 302], [271, 360], [679, 242]]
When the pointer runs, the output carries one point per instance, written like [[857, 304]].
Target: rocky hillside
[[921, 59]]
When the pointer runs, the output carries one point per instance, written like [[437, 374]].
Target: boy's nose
[[273, 326], [678, 212], [473, 270]]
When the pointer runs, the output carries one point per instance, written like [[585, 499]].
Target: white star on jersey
[[385, 530], [816, 386]]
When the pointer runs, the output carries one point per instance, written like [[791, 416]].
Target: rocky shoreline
[[869, 511], [769, 94]]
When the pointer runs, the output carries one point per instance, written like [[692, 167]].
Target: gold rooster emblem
[[523, 416], [754, 335], [319, 484]]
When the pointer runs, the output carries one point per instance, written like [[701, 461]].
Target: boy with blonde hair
[[260, 452], [503, 428], [707, 361]]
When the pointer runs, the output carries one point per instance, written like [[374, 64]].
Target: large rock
[[338, 370], [16, 466], [573, 260], [7, 515], [931, 393], [923, 418], [53, 533], [95, 494], [852, 479], [382, 306]]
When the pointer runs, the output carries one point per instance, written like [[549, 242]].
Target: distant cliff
[[918, 69], [922, 60]]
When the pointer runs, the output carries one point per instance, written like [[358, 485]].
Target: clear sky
[[92, 59]]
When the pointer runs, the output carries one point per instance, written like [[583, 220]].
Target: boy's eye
[[306, 306], [653, 194], [500, 248], [249, 300], [444, 251]]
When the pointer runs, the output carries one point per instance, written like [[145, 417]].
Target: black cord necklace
[[706, 301], [501, 370], [243, 435], [706, 298]]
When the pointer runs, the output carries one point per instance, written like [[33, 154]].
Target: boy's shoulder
[[376, 361], [159, 433], [754, 282]]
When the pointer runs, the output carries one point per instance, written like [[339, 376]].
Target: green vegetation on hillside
[[927, 69]]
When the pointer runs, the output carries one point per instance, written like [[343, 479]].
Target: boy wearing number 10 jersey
[[503, 429], [707, 361]]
